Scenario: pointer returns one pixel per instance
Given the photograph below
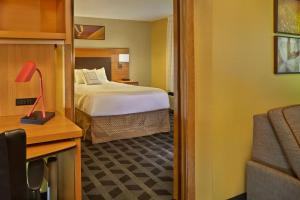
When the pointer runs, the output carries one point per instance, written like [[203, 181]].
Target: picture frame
[[89, 32], [286, 55], [286, 13]]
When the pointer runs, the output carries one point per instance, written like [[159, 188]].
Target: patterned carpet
[[139, 168]]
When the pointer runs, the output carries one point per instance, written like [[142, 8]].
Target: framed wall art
[[89, 32], [287, 18], [287, 55]]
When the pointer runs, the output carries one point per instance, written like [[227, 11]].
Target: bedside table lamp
[[34, 117], [123, 58]]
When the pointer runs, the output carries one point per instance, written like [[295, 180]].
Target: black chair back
[[13, 185]]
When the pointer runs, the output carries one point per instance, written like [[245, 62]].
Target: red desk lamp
[[34, 117]]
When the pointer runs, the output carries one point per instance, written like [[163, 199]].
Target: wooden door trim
[[69, 60], [184, 111], [184, 115]]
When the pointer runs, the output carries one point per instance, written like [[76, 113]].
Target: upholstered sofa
[[274, 170]]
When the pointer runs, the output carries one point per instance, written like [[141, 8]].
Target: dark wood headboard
[[117, 72], [94, 62]]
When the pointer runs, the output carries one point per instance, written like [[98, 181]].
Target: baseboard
[[239, 197]]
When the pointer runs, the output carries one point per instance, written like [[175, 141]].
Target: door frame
[[184, 112], [184, 93]]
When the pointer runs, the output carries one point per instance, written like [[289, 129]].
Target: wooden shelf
[[35, 19], [32, 35], [36, 151]]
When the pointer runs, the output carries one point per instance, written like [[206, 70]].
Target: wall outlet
[[25, 101]]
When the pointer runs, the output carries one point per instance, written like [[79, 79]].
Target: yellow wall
[[234, 81], [159, 53], [135, 35]]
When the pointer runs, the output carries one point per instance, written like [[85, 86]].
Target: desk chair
[[13, 184]]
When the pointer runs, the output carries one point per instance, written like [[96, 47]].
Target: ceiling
[[141, 10]]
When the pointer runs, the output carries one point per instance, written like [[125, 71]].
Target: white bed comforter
[[118, 99]]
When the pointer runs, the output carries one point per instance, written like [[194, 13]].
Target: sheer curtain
[[170, 55]]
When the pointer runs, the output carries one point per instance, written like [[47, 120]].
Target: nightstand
[[129, 82]]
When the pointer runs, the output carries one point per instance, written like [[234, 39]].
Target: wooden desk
[[57, 135]]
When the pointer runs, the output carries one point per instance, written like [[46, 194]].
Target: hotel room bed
[[118, 99], [112, 111], [117, 111]]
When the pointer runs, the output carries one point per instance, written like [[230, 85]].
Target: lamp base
[[37, 118]]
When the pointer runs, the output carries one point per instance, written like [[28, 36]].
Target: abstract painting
[[287, 55], [89, 32], [287, 18]]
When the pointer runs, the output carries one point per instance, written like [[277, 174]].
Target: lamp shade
[[26, 72], [123, 58]]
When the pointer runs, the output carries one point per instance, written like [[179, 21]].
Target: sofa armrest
[[266, 183]]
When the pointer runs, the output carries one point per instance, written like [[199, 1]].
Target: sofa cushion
[[266, 148], [286, 136], [292, 116]]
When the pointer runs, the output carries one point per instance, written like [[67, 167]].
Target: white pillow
[[90, 77], [102, 75], [78, 76]]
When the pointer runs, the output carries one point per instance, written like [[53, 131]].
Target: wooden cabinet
[[41, 31]]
